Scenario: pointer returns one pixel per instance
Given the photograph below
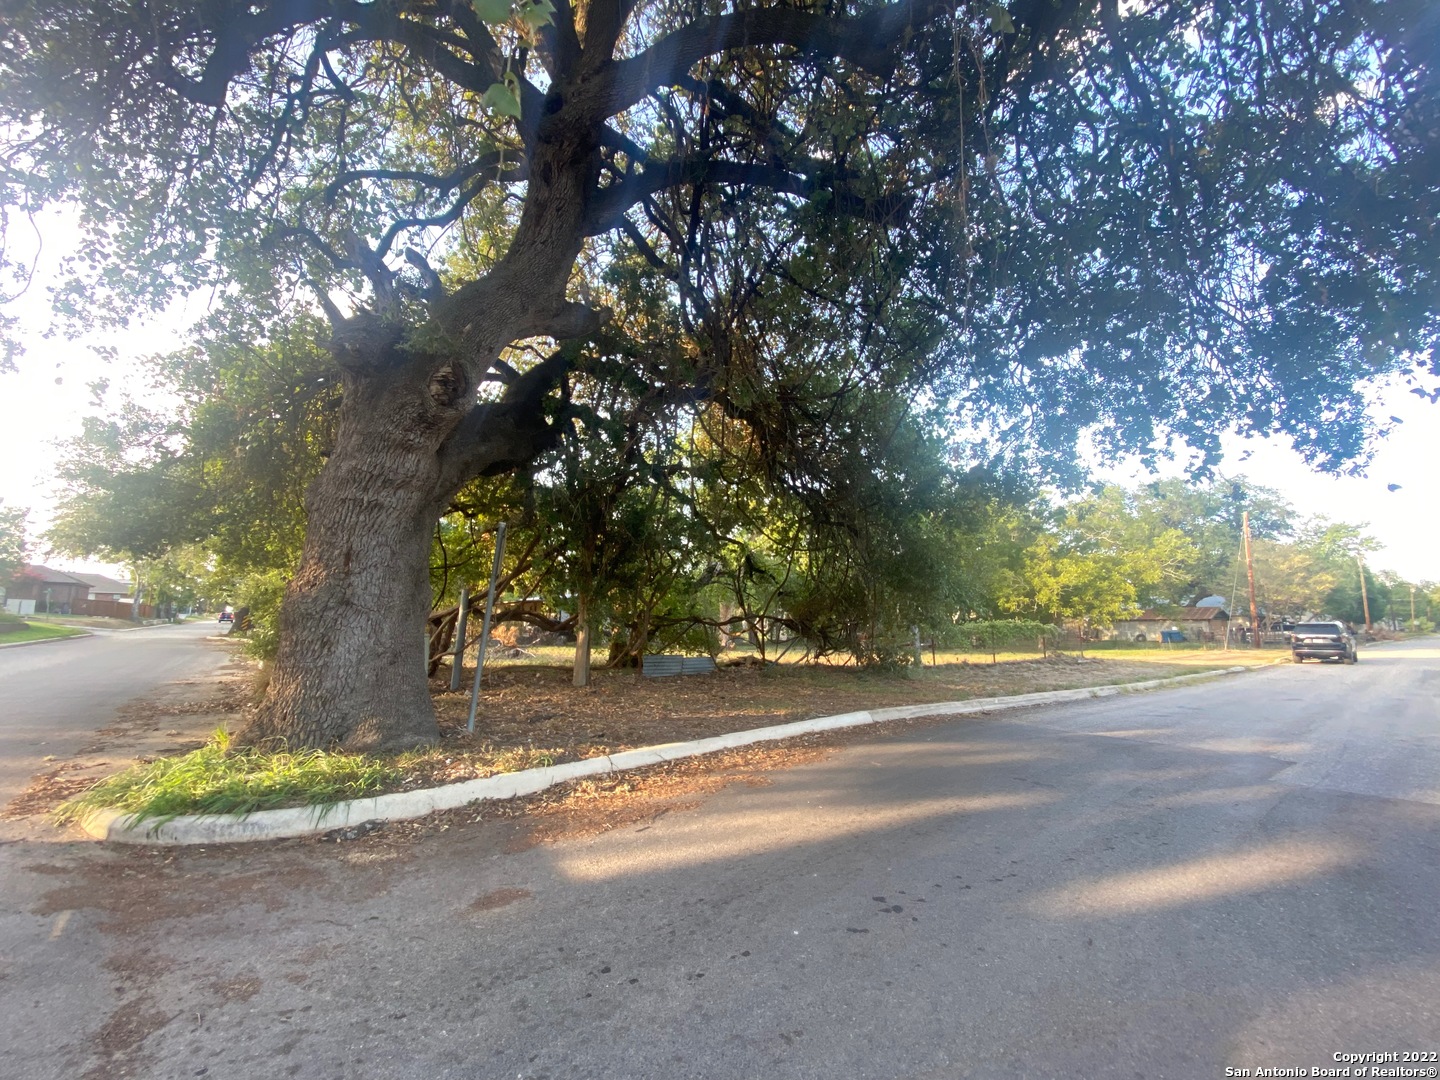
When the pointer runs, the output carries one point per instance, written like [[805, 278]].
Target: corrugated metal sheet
[[661, 666], [1185, 614]]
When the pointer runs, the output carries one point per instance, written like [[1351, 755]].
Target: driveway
[[1240, 875]]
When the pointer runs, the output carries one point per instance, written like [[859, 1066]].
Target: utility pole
[[1250, 574], [1412, 609], [1364, 595]]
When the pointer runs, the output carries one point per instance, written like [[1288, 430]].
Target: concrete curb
[[119, 827]]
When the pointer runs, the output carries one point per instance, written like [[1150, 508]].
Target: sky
[[1398, 498]]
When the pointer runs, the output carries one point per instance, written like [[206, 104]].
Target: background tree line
[[669, 524]]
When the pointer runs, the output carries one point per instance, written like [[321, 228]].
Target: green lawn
[[36, 631], [104, 622]]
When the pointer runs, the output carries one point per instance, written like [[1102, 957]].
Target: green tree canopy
[[244, 419], [1099, 560], [12, 540]]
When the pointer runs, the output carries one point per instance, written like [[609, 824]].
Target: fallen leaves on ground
[[532, 716]]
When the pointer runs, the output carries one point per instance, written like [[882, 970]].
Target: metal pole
[[485, 626], [461, 622]]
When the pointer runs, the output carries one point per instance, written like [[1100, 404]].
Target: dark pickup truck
[[1322, 641]]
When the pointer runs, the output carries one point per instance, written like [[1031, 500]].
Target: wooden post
[[462, 619], [581, 674], [485, 626], [1250, 574]]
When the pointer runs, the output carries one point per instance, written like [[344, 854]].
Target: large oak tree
[[1133, 220]]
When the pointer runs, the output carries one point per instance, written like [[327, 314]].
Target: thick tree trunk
[[350, 671]]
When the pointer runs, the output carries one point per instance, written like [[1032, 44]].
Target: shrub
[[260, 594]]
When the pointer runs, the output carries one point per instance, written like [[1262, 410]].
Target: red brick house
[[51, 591]]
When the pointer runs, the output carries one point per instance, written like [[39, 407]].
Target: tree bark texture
[[349, 671], [581, 673]]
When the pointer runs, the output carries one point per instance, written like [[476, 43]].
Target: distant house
[[105, 588], [1196, 623], [40, 589]]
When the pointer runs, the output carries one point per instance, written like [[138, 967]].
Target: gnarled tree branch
[[867, 41]]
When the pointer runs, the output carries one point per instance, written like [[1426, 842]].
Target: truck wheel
[[1351, 657]]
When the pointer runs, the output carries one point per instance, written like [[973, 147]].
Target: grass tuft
[[217, 779]]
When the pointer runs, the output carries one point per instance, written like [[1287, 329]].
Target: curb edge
[[116, 826]]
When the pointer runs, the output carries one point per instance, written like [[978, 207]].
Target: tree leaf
[[537, 13], [1000, 21], [503, 99], [493, 12]]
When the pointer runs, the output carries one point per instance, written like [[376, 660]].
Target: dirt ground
[[537, 706], [533, 715]]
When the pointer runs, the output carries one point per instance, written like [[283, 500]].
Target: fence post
[[580, 675], [485, 626], [460, 623]]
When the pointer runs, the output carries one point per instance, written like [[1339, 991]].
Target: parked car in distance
[[1322, 641], [227, 616]]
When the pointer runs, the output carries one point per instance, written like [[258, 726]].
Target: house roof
[[1187, 614], [101, 583], [36, 572]]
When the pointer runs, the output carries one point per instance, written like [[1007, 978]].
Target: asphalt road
[[54, 695], [1239, 875]]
